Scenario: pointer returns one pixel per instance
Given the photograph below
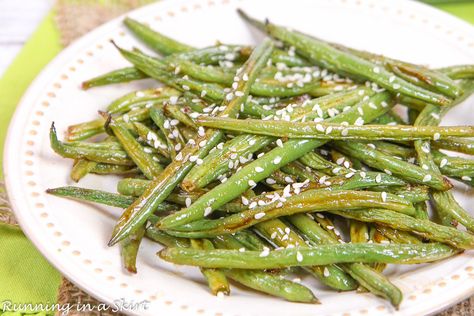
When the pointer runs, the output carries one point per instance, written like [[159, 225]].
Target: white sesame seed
[[265, 252], [384, 104], [435, 115], [201, 131], [326, 272], [199, 161], [425, 147], [245, 77], [259, 169], [376, 70], [174, 122], [427, 178], [359, 121], [242, 249], [346, 164], [425, 166], [288, 179], [396, 86], [252, 183], [239, 93], [436, 136], [253, 205], [188, 202], [270, 181], [177, 147], [173, 99], [179, 156], [378, 178], [259, 215], [273, 235], [345, 132], [328, 130], [279, 143], [320, 128], [466, 178], [349, 175], [207, 210], [387, 171], [363, 174], [299, 256], [443, 162], [202, 143], [340, 161], [185, 87], [391, 79], [193, 158], [384, 196]]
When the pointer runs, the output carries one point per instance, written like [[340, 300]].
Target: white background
[[18, 20]]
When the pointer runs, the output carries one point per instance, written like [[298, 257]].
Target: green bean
[[414, 194], [339, 61], [175, 112], [116, 76], [102, 197], [407, 171], [447, 208], [398, 236], [459, 71], [418, 75], [420, 227], [81, 168], [310, 200], [263, 87], [158, 42], [165, 239], [172, 140], [281, 235], [273, 285], [300, 173], [216, 278], [395, 150], [460, 145], [359, 232], [135, 151], [118, 157], [220, 162], [318, 255], [454, 166], [328, 87], [146, 97], [217, 162], [103, 168], [369, 278], [162, 186], [271, 161], [95, 127], [152, 138], [389, 118], [330, 131], [129, 250]]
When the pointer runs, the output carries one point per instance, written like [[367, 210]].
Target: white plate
[[73, 236]]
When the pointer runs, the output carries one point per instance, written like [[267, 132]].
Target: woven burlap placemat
[[75, 18]]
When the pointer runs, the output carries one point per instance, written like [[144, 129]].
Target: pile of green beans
[[252, 163]]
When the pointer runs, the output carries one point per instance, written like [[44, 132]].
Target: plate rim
[[37, 85]]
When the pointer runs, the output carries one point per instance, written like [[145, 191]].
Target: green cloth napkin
[[26, 276]]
